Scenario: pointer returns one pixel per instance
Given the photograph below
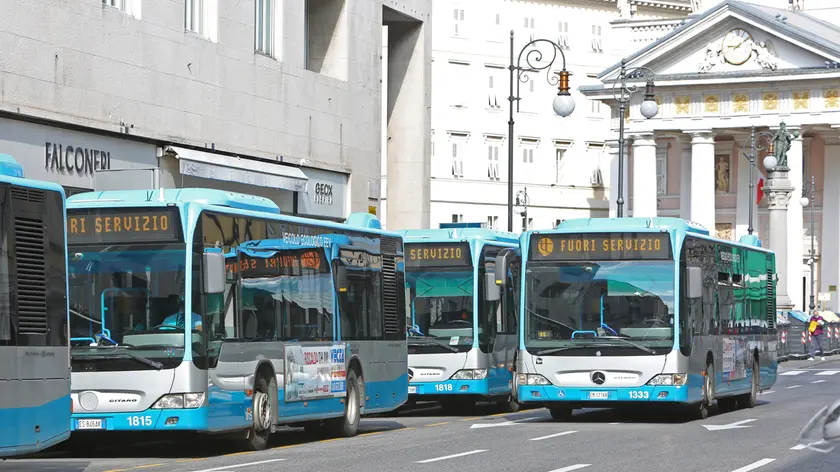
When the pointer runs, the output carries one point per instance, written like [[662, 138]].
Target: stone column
[[778, 189], [703, 179], [795, 225], [830, 240], [612, 144], [644, 176], [685, 176]]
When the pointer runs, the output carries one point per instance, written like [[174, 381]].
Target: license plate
[[412, 389], [599, 395], [89, 424]]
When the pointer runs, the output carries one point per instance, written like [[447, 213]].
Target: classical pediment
[[739, 38]]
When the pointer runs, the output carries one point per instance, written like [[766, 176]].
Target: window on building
[[121, 5], [595, 107], [493, 162], [457, 162], [493, 222], [458, 25], [326, 38], [194, 16], [563, 34], [498, 19], [558, 166], [662, 173], [528, 155], [597, 45], [263, 26], [495, 86], [460, 89], [529, 23], [457, 218]]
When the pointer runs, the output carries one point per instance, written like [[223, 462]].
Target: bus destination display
[[600, 247], [123, 226], [275, 264], [437, 255]]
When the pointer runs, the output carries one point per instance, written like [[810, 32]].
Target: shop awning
[[208, 165], [829, 316]]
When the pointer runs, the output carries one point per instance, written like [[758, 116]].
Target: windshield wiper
[[629, 343], [426, 341], [121, 351], [546, 352]]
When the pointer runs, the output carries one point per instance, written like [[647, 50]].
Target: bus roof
[[172, 196], [12, 172], [660, 223], [444, 235]]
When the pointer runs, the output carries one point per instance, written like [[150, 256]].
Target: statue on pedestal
[[781, 145]]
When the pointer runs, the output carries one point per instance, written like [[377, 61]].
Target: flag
[[760, 194]]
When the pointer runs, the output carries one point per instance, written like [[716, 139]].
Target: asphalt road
[[761, 439]]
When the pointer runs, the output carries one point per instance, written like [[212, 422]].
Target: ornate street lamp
[[769, 163]]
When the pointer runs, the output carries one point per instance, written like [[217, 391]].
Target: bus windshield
[[443, 309], [128, 298], [627, 305]]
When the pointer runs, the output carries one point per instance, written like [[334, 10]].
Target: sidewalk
[[802, 364]]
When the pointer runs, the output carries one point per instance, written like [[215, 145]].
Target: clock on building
[[737, 47]]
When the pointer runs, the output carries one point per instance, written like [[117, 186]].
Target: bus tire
[[560, 413], [348, 424], [256, 437], [512, 405], [708, 392], [749, 400]]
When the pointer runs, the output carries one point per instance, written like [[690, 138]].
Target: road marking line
[[564, 433], [793, 386], [614, 423], [472, 419], [218, 469], [149, 466], [754, 465], [799, 447], [767, 392], [371, 434], [571, 468], [828, 372], [438, 424], [462, 454], [817, 381], [793, 372]]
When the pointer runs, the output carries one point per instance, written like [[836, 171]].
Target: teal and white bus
[[209, 311], [462, 327], [35, 405], [632, 311]]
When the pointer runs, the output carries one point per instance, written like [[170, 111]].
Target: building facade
[[277, 98], [734, 68], [560, 162]]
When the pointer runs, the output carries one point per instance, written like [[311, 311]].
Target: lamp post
[[809, 202], [622, 92], [769, 163], [522, 203], [563, 103]]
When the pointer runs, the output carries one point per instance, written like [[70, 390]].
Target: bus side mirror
[[503, 260], [492, 292], [694, 282], [214, 272], [341, 278]]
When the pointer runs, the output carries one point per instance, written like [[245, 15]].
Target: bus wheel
[[512, 405], [561, 413], [749, 400], [256, 438], [708, 393], [347, 425]]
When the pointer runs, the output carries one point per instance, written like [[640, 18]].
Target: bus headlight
[[470, 374], [533, 379], [669, 379], [179, 400]]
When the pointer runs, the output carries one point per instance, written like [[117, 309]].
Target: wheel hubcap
[[263, 411], [352, 406]]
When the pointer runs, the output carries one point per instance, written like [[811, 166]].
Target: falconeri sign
[[71, 159]]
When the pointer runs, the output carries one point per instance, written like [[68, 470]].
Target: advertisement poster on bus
[[314, 372]]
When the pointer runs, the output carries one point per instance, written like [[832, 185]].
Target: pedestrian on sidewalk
[[815, 327]]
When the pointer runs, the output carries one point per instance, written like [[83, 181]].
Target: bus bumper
[[593, 396], [449, 387], [149, 420]]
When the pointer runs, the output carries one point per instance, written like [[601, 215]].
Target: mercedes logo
[[598, 378]]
